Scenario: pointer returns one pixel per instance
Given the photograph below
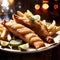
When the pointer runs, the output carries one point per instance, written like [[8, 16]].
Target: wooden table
[[52, 54]]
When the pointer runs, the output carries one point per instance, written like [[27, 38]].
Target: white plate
[[33, 50]]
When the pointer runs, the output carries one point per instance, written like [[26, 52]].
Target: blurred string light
[[11, 2], [5, 9], [55, 6], [19, 5], [37, 6], [45, 6], [5, 5]]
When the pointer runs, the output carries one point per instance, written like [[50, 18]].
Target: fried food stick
[[4, 34], [36, 26], [25, 34]]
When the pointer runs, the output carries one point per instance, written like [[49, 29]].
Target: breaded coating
[[25, 34]]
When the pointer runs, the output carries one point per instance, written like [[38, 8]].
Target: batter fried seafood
[[25, 34], [36, 26]]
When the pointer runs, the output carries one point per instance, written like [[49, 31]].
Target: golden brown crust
[[24, 33], [36, 26]]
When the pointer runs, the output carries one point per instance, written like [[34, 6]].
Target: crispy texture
[[4, 34], [1, 29], [36, 26], [25, 34]]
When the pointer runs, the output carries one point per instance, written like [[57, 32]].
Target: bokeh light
[[37, 6], [55, 6], [45, 6]]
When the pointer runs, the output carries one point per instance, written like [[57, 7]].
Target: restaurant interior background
[[49, 10]]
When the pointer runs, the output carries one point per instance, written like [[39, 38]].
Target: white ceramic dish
[[33, 50]]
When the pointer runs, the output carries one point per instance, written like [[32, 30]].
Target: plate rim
[[24, 52]]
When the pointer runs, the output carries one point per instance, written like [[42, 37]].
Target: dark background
[[52, 54]]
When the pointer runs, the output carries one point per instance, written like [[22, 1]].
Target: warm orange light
[[45, 6], [11, 1], [37, 6], [55, 6]]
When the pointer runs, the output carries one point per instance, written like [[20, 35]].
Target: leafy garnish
[[32, 19]]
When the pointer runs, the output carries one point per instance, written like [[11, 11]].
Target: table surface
[[52, 54]]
